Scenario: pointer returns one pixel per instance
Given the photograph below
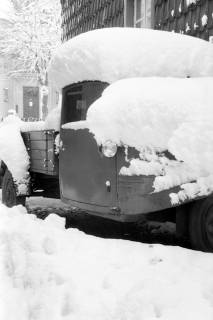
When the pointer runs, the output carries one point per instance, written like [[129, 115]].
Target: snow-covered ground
[[49, 272]]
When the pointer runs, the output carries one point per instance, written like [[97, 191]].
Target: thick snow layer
[[27, 126], [47, 272], [117, 53], [53, 119], [144, 112], [13, 151], [158, 114], [7, 10]]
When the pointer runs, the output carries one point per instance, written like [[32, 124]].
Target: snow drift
[[14, 153], [112, 54], [48, 272]]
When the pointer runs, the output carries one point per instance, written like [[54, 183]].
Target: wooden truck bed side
[[41, 149]]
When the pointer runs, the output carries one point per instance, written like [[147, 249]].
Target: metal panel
[[135, 193], [84, 171]]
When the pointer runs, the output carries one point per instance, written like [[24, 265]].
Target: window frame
[[143, 20]]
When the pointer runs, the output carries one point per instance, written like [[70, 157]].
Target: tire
[[201, 225], [9, 197]]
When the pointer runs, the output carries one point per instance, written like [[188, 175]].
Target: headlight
[[109, 149]]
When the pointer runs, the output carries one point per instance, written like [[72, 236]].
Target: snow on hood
[[48, 272], [115, 53], [146, 112], [158, 114]]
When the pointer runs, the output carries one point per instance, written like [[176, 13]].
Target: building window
[[142, 13], [139, 13]]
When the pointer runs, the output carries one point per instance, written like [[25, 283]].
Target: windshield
[[78, 97]]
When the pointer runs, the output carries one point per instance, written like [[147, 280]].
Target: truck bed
[[41, 149]]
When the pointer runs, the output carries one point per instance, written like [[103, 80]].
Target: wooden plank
[[38, 145], [42, 135], [44, 166], [38, 154], [38, 165]]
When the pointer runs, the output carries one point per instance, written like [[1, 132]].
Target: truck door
[[85, 173]]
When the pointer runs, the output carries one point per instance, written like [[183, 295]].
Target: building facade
[[83, 15], [192, 17], [20, 93]]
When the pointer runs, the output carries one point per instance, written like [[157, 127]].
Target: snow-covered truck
[[134, 140]]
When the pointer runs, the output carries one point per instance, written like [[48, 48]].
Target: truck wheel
[[201, 225], [9, 197]]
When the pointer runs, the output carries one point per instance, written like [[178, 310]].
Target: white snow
[[7, 10], [53, 119], [111, 54], [154, 115], [13, 151], [204, 20], [47, 272], [142, 112], [189, 2]]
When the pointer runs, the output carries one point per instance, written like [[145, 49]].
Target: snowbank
[[13, 151], [47, 272], [112, 54]]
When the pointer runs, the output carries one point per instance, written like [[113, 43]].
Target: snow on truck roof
[[112, 54]]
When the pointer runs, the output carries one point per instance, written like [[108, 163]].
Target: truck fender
[[22, 188]]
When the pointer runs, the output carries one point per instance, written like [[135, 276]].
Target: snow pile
[[27, 126], [12, 118], [189, 2], [53, 119], [112, 54], [13, 151], [7, 10], [48, 272], [204, 20], [158, 114], [144, 112], [52, 122]]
